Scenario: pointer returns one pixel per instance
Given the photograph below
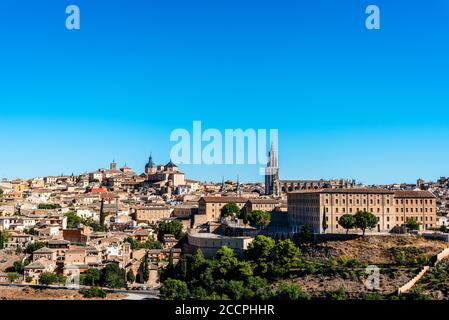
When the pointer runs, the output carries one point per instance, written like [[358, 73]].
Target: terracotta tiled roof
[[224, 199], [263, 201], [347, 191], [413, 194]]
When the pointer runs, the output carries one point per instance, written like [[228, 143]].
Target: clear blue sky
[[348, 102]]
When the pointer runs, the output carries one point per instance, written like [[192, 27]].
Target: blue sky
[[348, 102]]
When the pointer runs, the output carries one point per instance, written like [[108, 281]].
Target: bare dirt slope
[[8, 293], [8, 257], [372, 249]]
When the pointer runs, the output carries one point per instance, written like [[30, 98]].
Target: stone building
[[393, 208], [151, 214], [210, 207]]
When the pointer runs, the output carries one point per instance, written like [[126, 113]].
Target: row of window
[[357, 201], [343, 210], [397, 218]]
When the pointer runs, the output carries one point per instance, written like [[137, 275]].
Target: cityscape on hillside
[[223, 159], [132, 232]]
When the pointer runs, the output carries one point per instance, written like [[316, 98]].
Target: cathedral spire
[[223, 186], [272, 184], [238, 186]]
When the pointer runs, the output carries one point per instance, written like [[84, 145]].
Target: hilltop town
[[117, 229]]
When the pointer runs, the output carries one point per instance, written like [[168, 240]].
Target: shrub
[[339, 294], [372, 296], [290, 292], [94, 292]]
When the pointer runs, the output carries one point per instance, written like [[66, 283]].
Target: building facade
[[210, 207], [151, 214], [393, 208]]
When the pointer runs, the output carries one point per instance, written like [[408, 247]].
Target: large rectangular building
[[210, 207], [151, 214], [393, 208]]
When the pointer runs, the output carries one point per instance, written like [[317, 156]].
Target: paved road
[[136, 296]]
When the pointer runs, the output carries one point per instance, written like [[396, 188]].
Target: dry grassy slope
[[8, 257], [372, 249], [47, 294]]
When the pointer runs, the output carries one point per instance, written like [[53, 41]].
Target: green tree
[[260, 248], [48, 206], [260, 287], [92, 276], [347, 221], [199, 293], [48, 278], [305, 235], [4, 238], [112, 276], [259, 218], [230, 209], [149, 244], [73, 220], [443, 228], [283, 257], [102, 215], [173, 289], [35, 246], [133, 242], [145, 268], [339, 294], [19, 266], [244, 214], [227, 263], [130, 277], [244, 270], [169, 227], [412, 224], [287, 291], [31, 231], [365, 220], [197, 264], [236, 290], [170, 260], [94, 292], [372, 296], [13, 276], [259, 251], [324, 224]]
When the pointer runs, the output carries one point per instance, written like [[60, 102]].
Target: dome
[[171, 165], [150, 163]]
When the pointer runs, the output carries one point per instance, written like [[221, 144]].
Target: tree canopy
[[412, 224], [149, 244], [91, 277], [230, 209], [258, 218], [169, 227], [4, 237], [228, 276], [47, 278], [112, 276], [173, 289], [35, 246], [365, 220], [347, 221]]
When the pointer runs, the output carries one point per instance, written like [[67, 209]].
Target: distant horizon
[[370, 105], [119, 165]]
